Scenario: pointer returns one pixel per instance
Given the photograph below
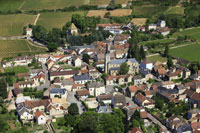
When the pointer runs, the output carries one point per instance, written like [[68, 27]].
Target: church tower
[[107, 58]]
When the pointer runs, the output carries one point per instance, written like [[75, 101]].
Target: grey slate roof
[[58, 90], [82, 77], [120, 61], [67, 82], [114, 68], [95, 84]]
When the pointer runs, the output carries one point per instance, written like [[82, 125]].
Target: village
[[101, 77]]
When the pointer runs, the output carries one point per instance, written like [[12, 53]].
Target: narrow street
[[72, 99], [47, 82]]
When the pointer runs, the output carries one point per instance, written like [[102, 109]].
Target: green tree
[[3, 89], [52, 46], [124, 68], [107, 15], [73, 109], [142, 53], [71, 120], [166, 52], [169, 62], [86, 58]]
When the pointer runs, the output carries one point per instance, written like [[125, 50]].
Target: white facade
[[77, 62], [26, 116], [41, 120], [152, 27], [97, 91], [148, 66]]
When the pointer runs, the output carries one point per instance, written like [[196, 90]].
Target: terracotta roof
[[134, 88], [72, 72], [38, 114], [161, 71], [33, 104], [77, 85], [82, 92], [143, 114], [105, 97], [136, 130]]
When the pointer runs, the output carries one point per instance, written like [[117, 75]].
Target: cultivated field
[[148, 10], [194, 33], [13, 47], [161, 41], [190, 52], [56, 19], [139, 21], [12, 25], [193, 11], [52, 4], [101, 13], [175, 10], [10, 5]]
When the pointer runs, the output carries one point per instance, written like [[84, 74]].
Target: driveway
[[72, 99]]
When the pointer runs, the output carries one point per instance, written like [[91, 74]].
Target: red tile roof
[[38, 114]]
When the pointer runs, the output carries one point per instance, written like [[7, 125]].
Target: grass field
[[117, 12], [193, 11], [194, 33], [10, 5], [13, 47], [17, 69], [175, 10], [56, 19], [148, 10], [161, 41], [52, 4], [157, 58], [12, 25], [190, 52]]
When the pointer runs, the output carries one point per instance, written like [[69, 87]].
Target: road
[[153, 119], [37, 17], [47, 82], [72, 99], [12, 37], [36, 42]]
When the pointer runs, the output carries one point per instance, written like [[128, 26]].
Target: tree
[[86, 58], [136, 53], [166, 52], [71, 120], [124, 68], [107, 15], [142, 53], [73, 109], [3, 89], [52, 46], [111, 5], [169, 62]]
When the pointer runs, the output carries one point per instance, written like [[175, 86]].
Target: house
[[141, 100], [146, 64], [195, 127], [24, 84], [168, 95], [77, 61], [67, 84], [118, 101], [105, 98], [195, 76], [136, 130], [73, 30], [118, 79], [114, 66], [168, 84], [58, 107], [39, 79], [112, 28], [121, 38], [193, 98], [146, 73], [82, 79], [161, 23], [40, 117], [82, 94], [29, 32], [104, 109], [96, 88], [58, 92], [76, 87], [64, 74], [42, 58], [131, 90], [22, 60], [152, 27], [177, 124], [50, 63], [138, 80], [91, 103]]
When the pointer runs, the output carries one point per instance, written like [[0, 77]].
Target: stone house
[[96, 88]]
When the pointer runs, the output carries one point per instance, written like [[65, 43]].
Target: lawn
[[190, 52], [157, 58], [193, 11], [56, 19], [17, 69], [148, 10], [10, 5], [52, 4], [175, 10], [194, 33], [13, 47], [12, 25]]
